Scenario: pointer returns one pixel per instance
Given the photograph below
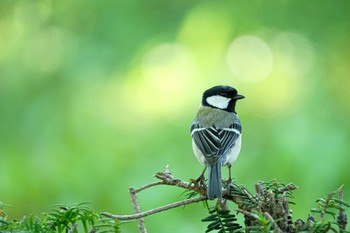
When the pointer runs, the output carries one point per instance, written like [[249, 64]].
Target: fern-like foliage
[[242, 197], [326, 212], [221, 221], [63, 218], [275, 187], [268, 210]]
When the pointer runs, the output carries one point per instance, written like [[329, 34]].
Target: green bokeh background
[[97, 96]]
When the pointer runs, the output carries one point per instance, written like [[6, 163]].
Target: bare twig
[[148, 186], [141, 222], [156, 210], [273, 222], [247, 213], [166, 179], [259, 189], [169, 179]]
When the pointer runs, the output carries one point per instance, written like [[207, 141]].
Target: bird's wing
[[228, 137], [214, 142]]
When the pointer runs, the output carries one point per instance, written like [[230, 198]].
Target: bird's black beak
[[238, 97]]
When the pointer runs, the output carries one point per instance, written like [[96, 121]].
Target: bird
[[216, 134]]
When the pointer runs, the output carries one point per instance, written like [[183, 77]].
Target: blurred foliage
[[97, 96], [74, 218]]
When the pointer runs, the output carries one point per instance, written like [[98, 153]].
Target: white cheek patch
[[218, 101]]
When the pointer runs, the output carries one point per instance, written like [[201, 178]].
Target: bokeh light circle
[[249, 58]]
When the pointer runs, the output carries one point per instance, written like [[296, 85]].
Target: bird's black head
[[221, 97]]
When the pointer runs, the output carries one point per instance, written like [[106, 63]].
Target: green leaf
[[321, 199], [223, 212], [214, 225], [341, 202], [228, 216], [232, 226], [210, 218], [3, 222], [229, 219], [330, 213], [314, 210]]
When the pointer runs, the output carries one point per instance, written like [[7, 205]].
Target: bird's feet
[[229, 180], [228, 185], [199, 182]]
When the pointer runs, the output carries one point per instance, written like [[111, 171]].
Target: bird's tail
[[214, 181]]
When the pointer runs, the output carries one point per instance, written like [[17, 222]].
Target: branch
[[141, 222], [156, 210], [268, 208], [148, 186], [273, 222], [166, 179], [169, 179]]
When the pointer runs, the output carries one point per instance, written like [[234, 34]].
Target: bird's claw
[[199, 182], [228, 185]]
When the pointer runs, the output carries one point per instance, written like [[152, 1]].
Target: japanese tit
[[216, 134]]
